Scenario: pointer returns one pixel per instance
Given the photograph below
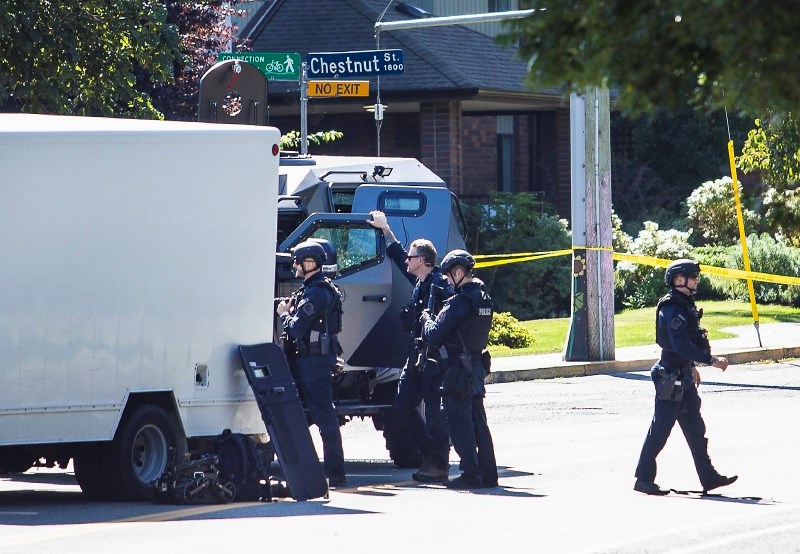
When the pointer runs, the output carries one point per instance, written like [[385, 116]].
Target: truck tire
[[139, 453], [401, 448], [91, 464], [16, 460]]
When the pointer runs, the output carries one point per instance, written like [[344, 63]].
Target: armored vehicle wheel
[[399, 444]]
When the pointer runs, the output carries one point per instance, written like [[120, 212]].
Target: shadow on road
[[727, 385]]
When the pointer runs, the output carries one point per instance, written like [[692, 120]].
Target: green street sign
[[280, 66]]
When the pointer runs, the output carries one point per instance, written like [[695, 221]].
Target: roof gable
[[447, 58]]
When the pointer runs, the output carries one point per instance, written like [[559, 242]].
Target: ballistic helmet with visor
[[681, 267], [309, 250], [457, 257]]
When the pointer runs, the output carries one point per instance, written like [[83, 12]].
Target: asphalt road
[[567, 450]]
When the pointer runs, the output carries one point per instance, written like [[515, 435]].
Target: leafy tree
[[292, 138], [515, 223], [773, 149], [663, 156], [204, 31], [661, 53], [84, 58]]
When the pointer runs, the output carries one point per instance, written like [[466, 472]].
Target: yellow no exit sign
[[338, 88]]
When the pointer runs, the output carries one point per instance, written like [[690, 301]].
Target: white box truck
[[134, 258], [136, 255]]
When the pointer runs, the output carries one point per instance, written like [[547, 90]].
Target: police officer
[[683, 344], [312, 319], [463, 326], [421, 380]]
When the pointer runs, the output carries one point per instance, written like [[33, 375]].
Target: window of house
[[501, 5], [505, 153]]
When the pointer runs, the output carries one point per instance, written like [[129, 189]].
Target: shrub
[[507, 331], [712, 213], [637, 286], [767, 255]]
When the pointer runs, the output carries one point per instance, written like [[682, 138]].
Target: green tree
[[204, 31], [773, 149], [514, 223], [665, 157], [84, 58], [662, 52]]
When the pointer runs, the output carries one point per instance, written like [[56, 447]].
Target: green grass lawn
[[637, 327]]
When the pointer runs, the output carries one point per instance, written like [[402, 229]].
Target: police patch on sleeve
[[308, 308]]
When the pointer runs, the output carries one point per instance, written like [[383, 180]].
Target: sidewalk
[[778, 340]]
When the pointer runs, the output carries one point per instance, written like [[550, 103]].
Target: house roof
[[446, 62]]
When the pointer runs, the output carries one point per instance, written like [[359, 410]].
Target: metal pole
[[303, 110], [451, 20]]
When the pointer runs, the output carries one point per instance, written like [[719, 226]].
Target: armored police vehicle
[[330, 197]]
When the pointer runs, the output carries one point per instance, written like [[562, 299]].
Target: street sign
[[364, 63], [279, 66], [338, 88]]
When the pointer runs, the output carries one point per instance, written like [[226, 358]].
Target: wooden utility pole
[[591, 333]]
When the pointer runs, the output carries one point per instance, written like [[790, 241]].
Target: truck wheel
[[90, 464], [139, 453], [16, 460], [401, 448]]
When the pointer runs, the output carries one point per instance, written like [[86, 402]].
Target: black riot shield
[[277, 398]]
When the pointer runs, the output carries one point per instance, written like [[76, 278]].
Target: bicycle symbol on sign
[[275, 67]]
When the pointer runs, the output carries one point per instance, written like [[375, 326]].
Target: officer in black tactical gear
[[461, 332], [683, 344], [312, 318], [422, 379]]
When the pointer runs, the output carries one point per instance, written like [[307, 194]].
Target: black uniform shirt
[[314, 302], [679, 330]]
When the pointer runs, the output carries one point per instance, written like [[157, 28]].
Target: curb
[[582, 369]]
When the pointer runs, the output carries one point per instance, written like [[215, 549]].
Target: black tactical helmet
[[309, 249], [457, 257], [329, 267], [680, 267]]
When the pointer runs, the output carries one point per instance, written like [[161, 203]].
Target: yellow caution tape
[[502, 259]]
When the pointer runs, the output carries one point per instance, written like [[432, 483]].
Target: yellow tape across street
[[490, 260]]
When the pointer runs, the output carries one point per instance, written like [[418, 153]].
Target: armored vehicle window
[[356, 246], [402, 203]]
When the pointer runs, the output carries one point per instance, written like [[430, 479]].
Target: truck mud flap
[[276, 395]]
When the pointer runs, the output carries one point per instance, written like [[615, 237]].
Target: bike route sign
[[364, 63], [280, 66]]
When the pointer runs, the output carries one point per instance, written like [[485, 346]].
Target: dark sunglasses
[[410, 257]]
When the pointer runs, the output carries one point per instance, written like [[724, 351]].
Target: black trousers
[[472, 440], [687, 414]]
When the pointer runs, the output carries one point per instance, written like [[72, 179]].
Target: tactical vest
[[693, 321], [475, 330], [322, 338], [331, 320]]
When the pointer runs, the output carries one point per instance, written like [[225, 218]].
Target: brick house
[[461, 106]]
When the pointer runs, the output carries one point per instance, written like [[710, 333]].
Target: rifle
[[423, 349]]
